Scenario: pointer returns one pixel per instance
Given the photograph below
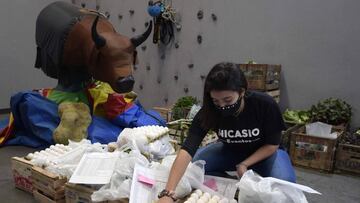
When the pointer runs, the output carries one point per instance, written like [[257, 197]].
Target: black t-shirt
[[258, 124]]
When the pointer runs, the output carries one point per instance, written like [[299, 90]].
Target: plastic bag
[[319, 129], [193, 111], [255, 189], [160, 148], [120, 184]]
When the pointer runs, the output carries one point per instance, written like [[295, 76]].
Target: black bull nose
[[125, 84]]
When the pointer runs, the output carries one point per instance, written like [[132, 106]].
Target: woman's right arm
[[177, 171]]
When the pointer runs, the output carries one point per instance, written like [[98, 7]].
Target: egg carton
[[48, 155], [198, 196]]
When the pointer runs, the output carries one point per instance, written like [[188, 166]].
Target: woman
[[248, 125]]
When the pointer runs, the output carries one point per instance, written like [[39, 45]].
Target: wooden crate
[[165, 112], [79, 193], [21, 170], [274, 94], [262, 77], [286, 135], [48, 184], [348, 158], [42, 198], [179, 135], [313, 152]]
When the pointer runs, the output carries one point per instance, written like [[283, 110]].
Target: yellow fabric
[[100, 95], [4, 135]]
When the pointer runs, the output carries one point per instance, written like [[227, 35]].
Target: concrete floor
[[335, 188]]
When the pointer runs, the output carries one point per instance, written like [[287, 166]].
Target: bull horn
[[98, 40], [137, 40]]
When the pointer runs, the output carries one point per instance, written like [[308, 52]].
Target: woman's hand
[[241, 169], [166, 199]]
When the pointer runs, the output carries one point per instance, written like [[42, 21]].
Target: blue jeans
[[220, 158]]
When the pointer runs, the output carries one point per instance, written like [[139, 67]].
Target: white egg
[[201, 201], [216, 198], [204, 198], [192, 200], [30, 156], [199, 192], [212, 201], [224, 200], [207, 195], [194, 195]]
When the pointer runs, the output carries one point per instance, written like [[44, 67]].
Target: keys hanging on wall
[[164, 18]]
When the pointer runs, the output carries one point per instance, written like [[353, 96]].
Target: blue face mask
[[230, 109]]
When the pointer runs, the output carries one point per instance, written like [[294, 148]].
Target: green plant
[[182, 107], [296, 116], [331, 111]]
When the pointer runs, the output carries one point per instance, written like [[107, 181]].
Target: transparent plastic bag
[[256, 189]]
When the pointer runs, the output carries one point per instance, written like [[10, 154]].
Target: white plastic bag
[[256, 189], [193, 111], [319, 129], [120, 183]]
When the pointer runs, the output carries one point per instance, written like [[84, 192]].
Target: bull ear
[[137, 40], [98, 40]]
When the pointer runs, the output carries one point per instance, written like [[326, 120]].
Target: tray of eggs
[[199, 196]]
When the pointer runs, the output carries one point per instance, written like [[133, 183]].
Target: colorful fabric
[[98, 94], [61, 96], [35, 118], [35, 115]]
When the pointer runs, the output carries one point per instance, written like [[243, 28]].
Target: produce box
[[48, 185], [262, 77], [348, 158], [21, 170], [286, 135], [313, 152], [178, 130], [75, 193], [274, 94], [165, 112]]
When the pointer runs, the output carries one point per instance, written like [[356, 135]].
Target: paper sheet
[[95, 168]]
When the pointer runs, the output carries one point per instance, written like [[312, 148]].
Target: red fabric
[[6, 133], [116, 105]]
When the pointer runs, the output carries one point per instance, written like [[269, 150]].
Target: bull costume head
[[75, 45]]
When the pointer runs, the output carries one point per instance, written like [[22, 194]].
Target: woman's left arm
[[259, 155]]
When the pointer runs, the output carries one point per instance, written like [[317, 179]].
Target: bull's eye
[[120, 78]]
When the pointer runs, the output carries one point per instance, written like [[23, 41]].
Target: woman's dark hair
[[223, 76]]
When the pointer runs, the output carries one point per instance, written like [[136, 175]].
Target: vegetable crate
[[48, 187], [21, 170], [165, 112], [178, 130], [286, 135], [348, 158], [262, 77], [313, 152], [75, 193], [275, 94]]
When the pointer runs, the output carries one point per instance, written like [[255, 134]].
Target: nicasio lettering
[[244, 133]]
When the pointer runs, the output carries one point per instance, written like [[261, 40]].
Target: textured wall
[[18, 50], [316, 42]]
